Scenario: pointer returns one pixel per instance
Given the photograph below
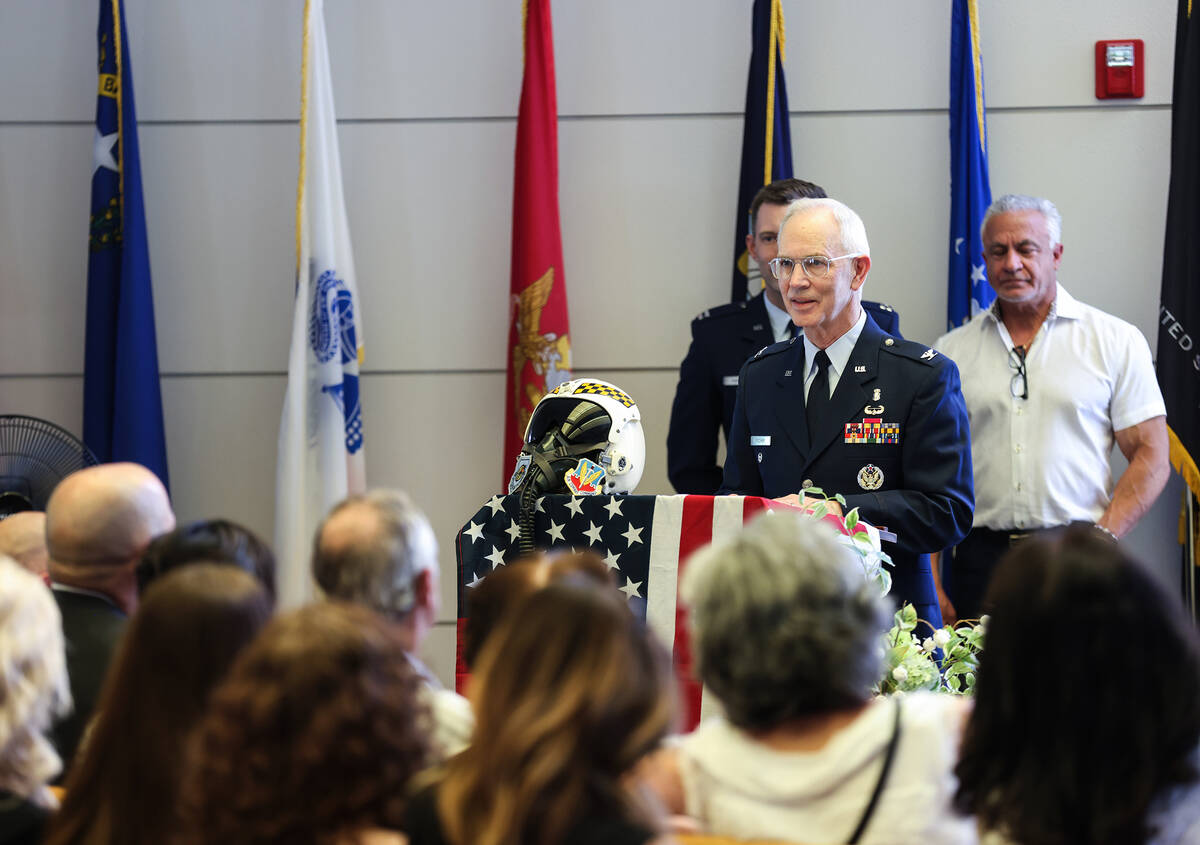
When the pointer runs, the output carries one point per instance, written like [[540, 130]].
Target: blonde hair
[[570, 694], [33, 682]]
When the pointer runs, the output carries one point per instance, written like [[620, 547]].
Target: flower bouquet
[[911, 663], [945, 661]]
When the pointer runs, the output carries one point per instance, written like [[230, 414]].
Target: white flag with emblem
[[321, 433]]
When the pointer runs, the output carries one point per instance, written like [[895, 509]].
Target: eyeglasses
[[1020, 380], [814, 266]]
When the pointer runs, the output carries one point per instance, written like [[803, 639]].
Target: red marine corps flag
[[540, 356]]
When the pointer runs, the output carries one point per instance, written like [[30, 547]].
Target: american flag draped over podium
[[646, 540]]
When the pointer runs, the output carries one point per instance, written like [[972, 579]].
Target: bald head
[[23, 538], [102, 518]]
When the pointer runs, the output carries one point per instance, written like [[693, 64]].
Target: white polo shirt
[[1044, 461]]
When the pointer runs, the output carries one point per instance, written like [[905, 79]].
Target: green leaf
[[840, 499], [852, 520], [813, 492]]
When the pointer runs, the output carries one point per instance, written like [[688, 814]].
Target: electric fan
[[34, 456]]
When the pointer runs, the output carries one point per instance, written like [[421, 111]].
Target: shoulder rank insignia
[[928, 354]]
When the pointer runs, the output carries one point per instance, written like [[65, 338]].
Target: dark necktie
[[793, 330], [817, 405]]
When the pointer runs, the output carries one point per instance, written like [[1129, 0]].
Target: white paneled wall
[[650, 93]]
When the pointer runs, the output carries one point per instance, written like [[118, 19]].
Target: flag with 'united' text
[[1179, 310]]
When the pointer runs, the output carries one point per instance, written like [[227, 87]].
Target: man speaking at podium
[[852, 410]]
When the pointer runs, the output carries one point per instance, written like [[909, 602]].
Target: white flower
[[941, 637], [927, 644], [900, 674]]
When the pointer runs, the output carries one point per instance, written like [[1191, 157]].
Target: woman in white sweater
[[787, 635]]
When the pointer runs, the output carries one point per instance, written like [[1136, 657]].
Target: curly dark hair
[[1087, 705], [314, 734]]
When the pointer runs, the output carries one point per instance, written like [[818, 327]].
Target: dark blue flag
[[1179, 312], [970, 192], [122, 402], [766, 139]]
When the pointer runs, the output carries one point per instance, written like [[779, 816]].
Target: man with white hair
[[1050, 384], [99, 520], [378, 550], [851, 410]]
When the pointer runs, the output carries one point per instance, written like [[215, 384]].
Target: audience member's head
[[33, 683], [378, 550], [23, 538], [124, 785], [212, 541], [507, 586], [571, 692], [314, 735], [1087, 702], [784, 625], [99, 521]]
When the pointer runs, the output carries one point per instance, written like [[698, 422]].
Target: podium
[[644, 540]]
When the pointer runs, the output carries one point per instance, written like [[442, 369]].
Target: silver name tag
[[730, 381], [760, 440]]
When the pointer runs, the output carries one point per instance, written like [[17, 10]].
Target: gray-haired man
[[1050, 384], [378, 550]]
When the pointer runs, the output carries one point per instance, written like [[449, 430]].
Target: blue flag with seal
[[122, 399], [970, 191], [766, 136], [321, 458]]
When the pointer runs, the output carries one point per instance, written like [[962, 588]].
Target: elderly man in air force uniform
[[848, 409]]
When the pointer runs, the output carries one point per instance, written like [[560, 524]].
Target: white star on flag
[[977, 273], [538, 505], [593, 532], [632, 535], [613, 507], [575, 505], [555, 532], [631, 589], [476, 581], [496, 503], [611, 559], [513, 530], [496, 557], [102, 152], [475, 532]]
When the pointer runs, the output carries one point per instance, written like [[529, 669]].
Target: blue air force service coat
[[722, 339], [896, 444]]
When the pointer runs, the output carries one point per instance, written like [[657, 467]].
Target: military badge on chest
[[871, 428], [870, 477]]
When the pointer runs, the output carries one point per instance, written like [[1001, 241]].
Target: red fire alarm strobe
[[1120, 68]]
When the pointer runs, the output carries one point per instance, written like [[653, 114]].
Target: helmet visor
[[567, 421]]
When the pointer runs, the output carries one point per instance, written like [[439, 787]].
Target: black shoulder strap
[[888, 756]]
